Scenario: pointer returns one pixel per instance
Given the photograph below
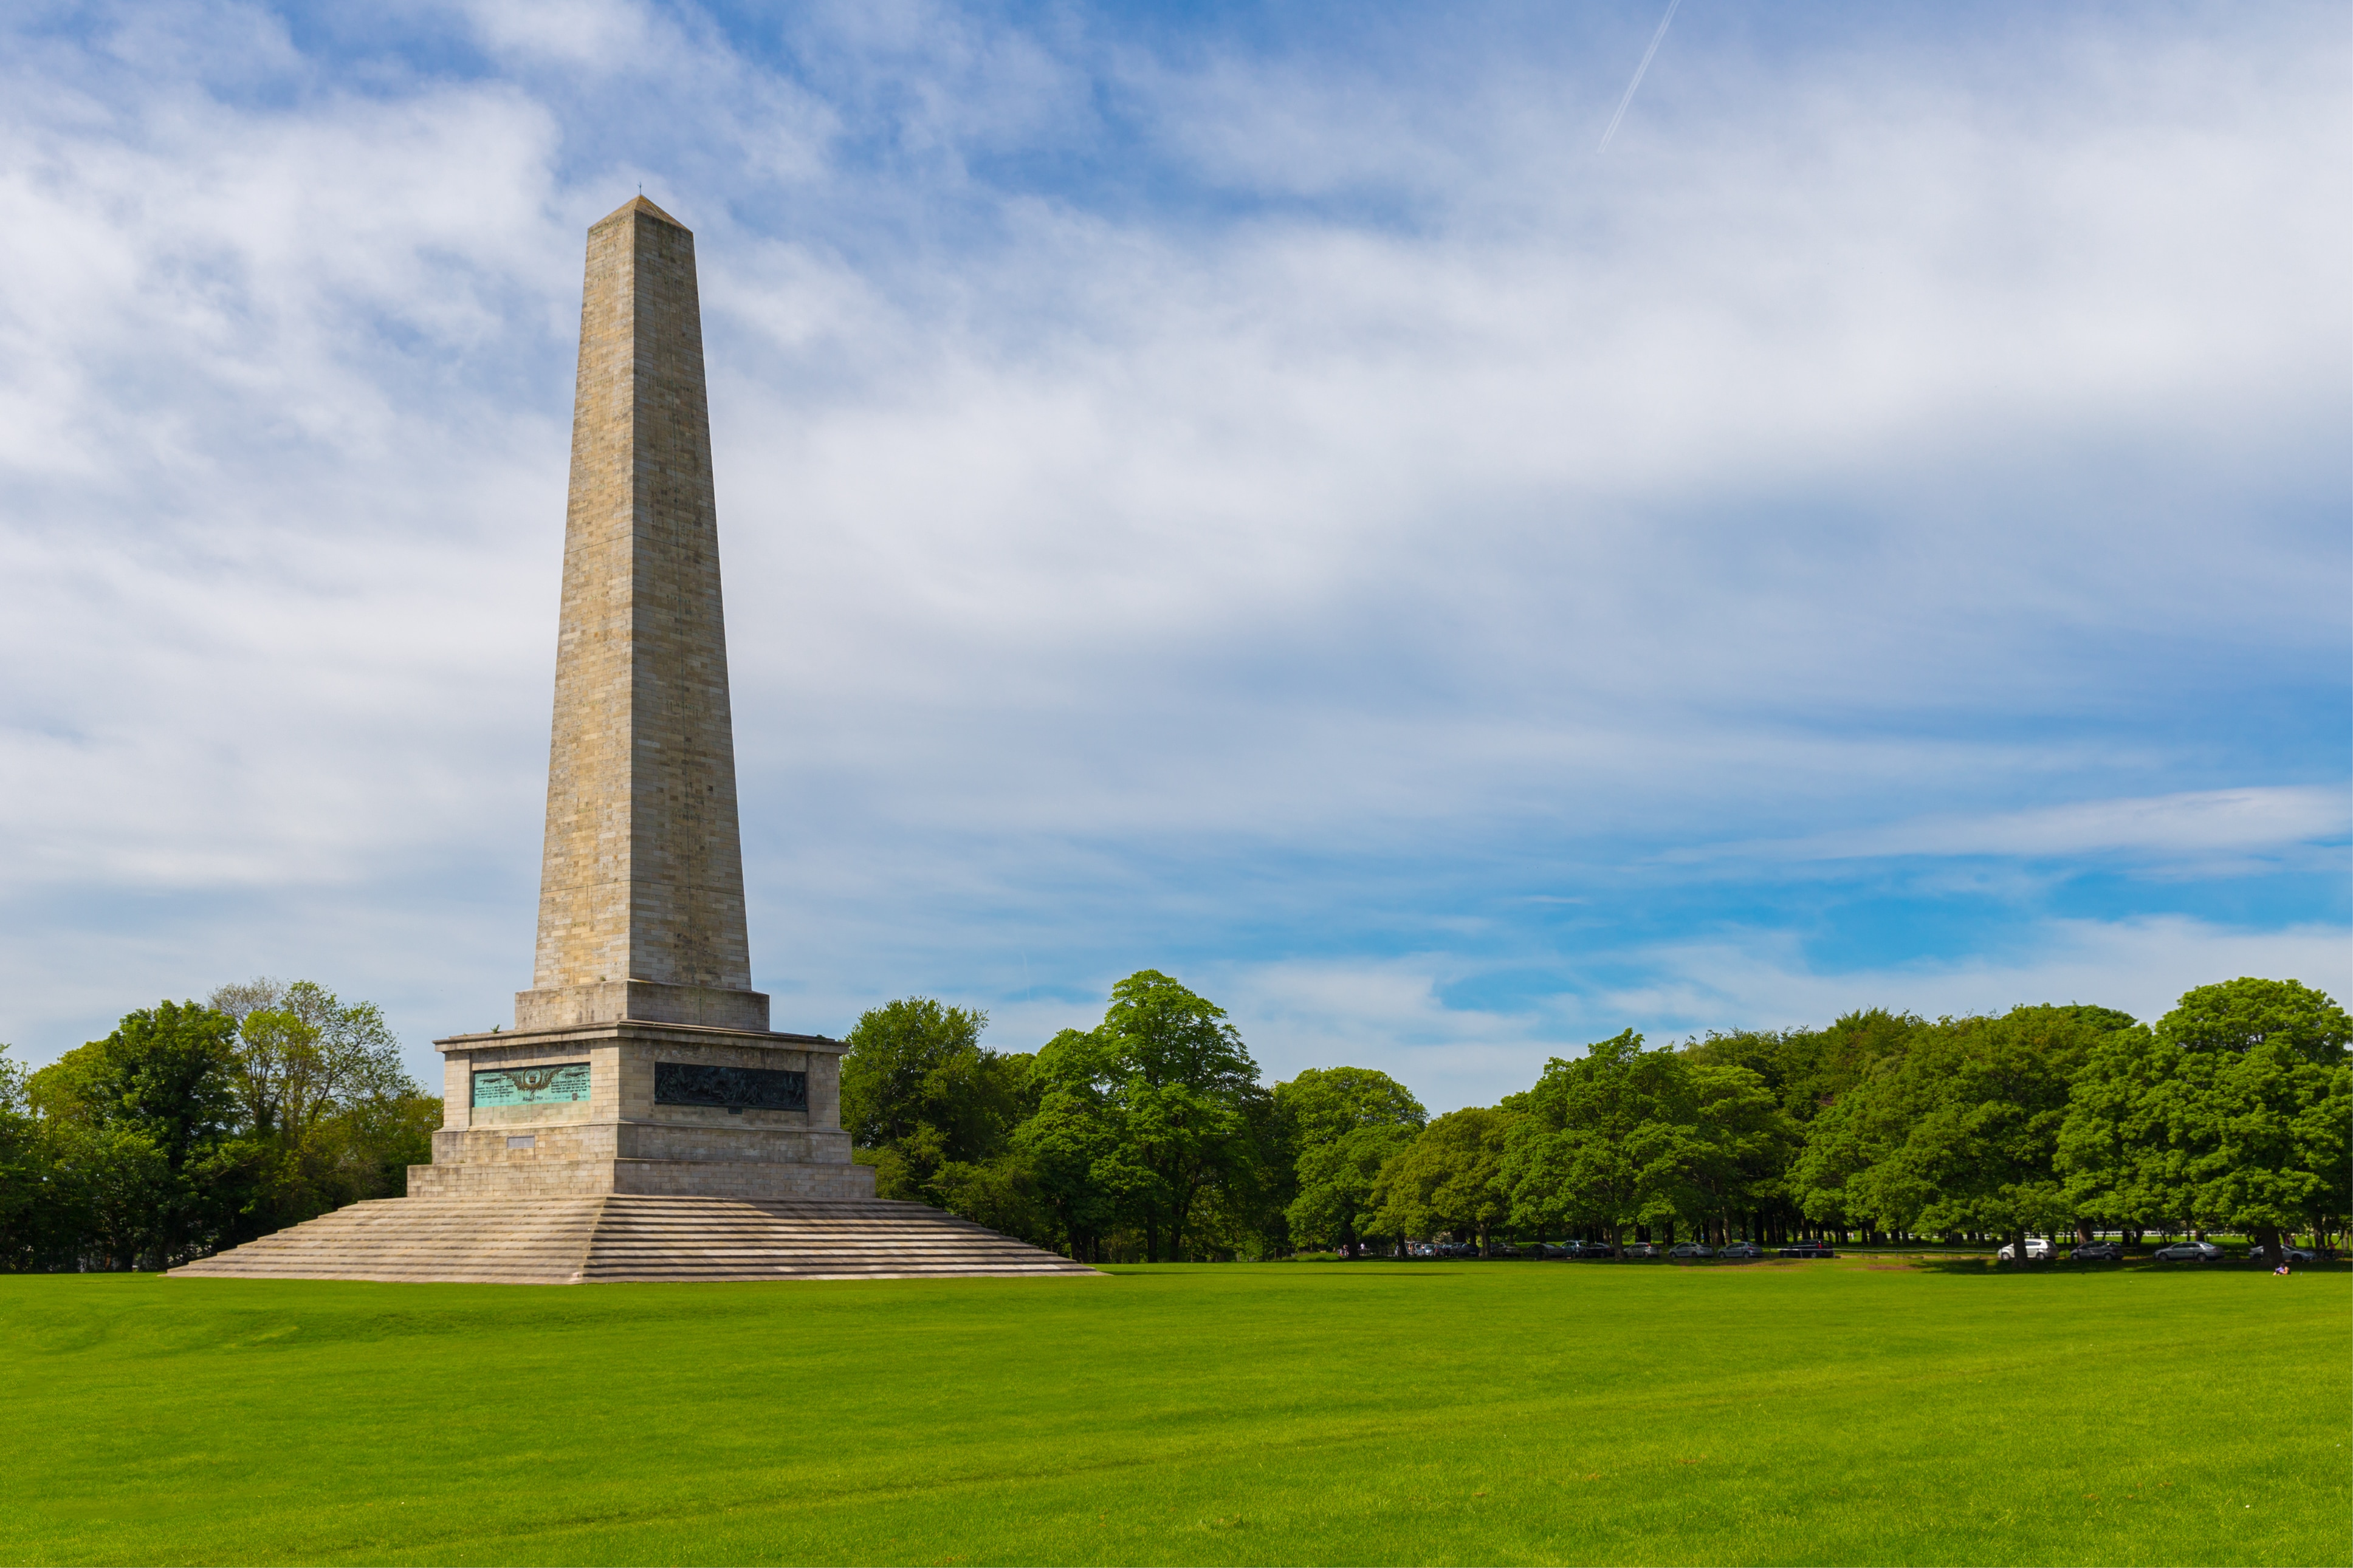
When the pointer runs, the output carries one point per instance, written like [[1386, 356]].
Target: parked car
[[1641, 1249], [2188, 1252], [1501, 1249], [1590, 1249], [1743, 1250], [1691, 1249], [2290, 1254], [2097, 1252], [2038, 1250], [1809, 1249]]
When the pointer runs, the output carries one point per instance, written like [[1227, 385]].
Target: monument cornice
[[640, 1029]]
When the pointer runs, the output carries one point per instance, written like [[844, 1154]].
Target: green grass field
[[1846, 1412]]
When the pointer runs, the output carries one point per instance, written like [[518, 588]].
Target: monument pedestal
[[645, 1106]]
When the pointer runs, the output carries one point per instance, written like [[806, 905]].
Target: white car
[[2038, 1250]]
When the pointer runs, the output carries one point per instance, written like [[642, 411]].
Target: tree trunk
[[2018, 1244], [2267, 1237]]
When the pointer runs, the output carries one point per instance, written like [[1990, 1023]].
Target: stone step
[[632, 1237]]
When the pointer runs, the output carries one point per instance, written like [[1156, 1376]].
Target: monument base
[[623, 1237], [636, 1149], [650, 1107], [749, 1180]]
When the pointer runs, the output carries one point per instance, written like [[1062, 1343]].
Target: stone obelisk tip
[[640, 204]]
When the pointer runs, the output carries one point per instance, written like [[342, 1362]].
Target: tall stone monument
[[641, 1059], [641, 1120]]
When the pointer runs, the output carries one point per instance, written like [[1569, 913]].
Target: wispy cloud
[[1271, 506], [2168, 830]]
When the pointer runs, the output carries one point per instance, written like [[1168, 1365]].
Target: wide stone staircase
[[576, 1240]]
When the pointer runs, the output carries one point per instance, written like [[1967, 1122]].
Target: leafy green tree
[[2238, 1016], [1337, 1201], [1323, 1104], [1339, 1127], [1073, 1145], [1449, 1178], [1742, 1153], [1612, 1140], [2233, 1112], [932, 1108], [1169, 1092], [2253, 1104], [142, 1116], [26, 1177], [2112, 1157], [1961, 1133], [327, 1113]]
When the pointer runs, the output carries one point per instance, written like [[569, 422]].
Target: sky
[[1257, 492]]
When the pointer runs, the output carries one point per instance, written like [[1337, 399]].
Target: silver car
[[1691, 1249], [2188, 1252]]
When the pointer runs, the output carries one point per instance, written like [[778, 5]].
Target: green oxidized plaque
[[531, 1085]]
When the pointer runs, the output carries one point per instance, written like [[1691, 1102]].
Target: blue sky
[[1250, 492]]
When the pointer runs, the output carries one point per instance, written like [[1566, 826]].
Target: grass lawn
[[1846, 1412]]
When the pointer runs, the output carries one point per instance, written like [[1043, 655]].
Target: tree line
[[1151, 1137], [194, 1127]]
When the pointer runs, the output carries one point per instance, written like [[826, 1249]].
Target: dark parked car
[[1807, 1249], [1743, 1250], [2188, 1252], [2097, 1252], [1589, 1249]]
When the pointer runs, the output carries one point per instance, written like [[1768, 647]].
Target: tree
[[2233, 1112], [1451, 1177], [328, 1115], [1743, 1148], [1961, 1133], [2111, 1157], [2238, 1016], [141, 1116], [1340, 1126], [24, 1174], [1168, 1092], [2254, 1101], [1612, 1140], [931, 1107], [1073, 1145]]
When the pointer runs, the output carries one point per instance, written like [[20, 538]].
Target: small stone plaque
[[531, 1085], [733, 1090]]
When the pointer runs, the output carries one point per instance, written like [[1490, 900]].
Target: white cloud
[[1391, 1015], [1352, 477], [2199, 826], [2141, 965]]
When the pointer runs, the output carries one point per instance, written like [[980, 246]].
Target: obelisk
[[641, 888], [641, 1120], [641, 1059]]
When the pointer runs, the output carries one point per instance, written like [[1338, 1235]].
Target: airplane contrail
[[1656, 39]]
